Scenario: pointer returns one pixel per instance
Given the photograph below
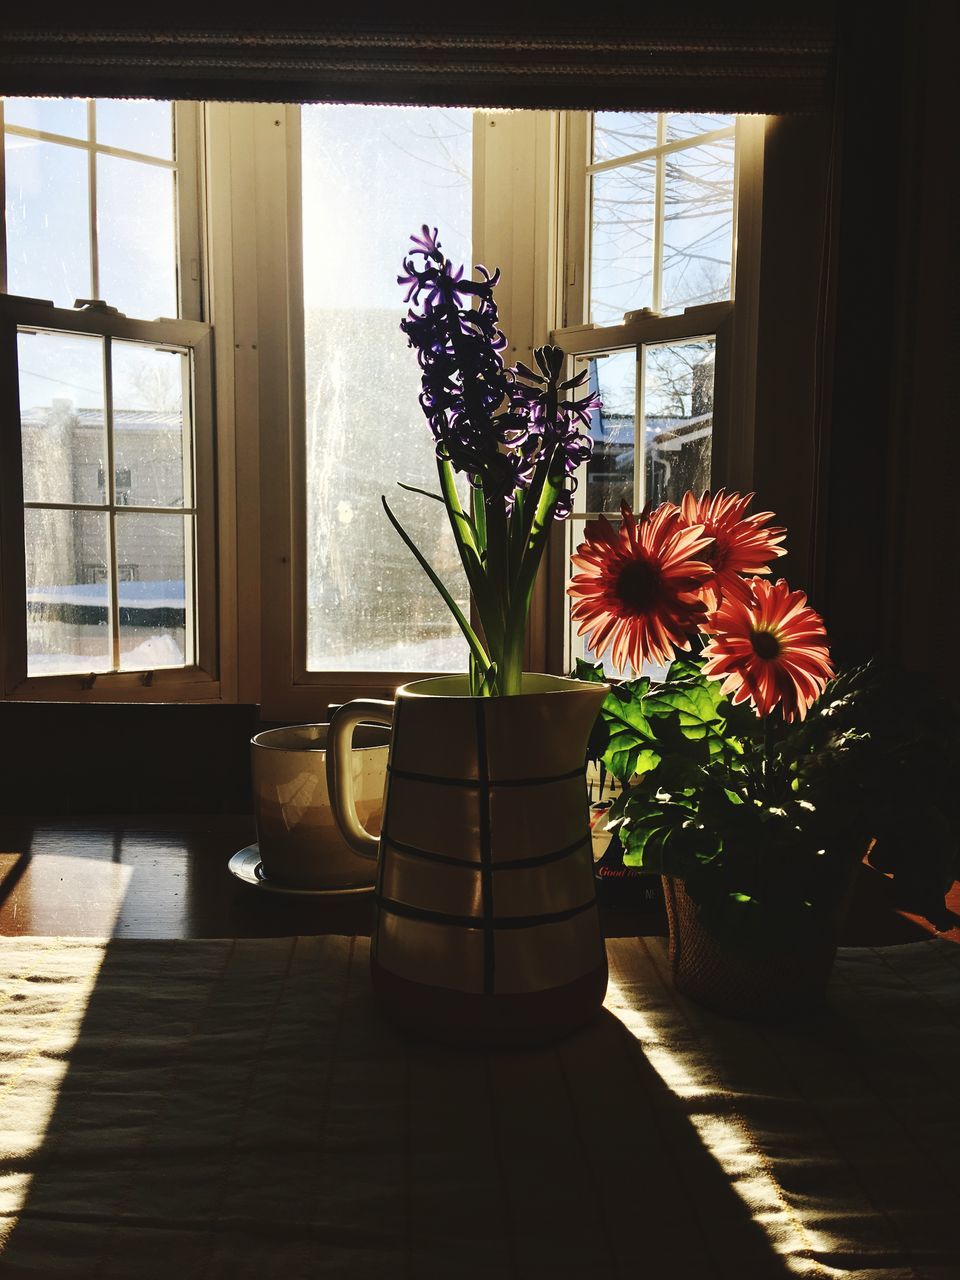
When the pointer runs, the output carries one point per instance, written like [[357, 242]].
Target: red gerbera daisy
[[741, 543], [772, 650], [640, 585]]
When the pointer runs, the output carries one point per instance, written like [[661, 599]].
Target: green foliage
[[765, 822]]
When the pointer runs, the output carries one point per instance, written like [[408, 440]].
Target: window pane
[[678, 417], [66, 116], [61, 417], [698, 225], [691, 125], [148, 425], [153, 571], [609, 478], [48, 218], [136, 126], [68, 592], [622, 242], [620, 133], [369, 605], [136, 235]]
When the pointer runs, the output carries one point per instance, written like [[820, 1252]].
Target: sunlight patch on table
[[688, 1074], [44, 992]]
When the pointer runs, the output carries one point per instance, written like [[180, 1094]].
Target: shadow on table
[[238, 1108]]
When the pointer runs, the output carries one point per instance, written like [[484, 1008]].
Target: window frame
[[199, 678], [203, 679]]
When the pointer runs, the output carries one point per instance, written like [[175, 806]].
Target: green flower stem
[[497, 552], [480, 524], [465, 534], [522, 587]]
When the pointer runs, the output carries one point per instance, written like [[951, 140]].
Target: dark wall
[[72, 760], [789, 355], [888, 548]]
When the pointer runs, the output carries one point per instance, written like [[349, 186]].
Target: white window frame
[[204, 678]]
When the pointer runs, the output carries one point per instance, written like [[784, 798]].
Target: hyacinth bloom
[[639, 587], [491, 424], [515, 433], [743, 545], [772, 650]]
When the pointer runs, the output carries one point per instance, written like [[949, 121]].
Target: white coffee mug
[[300, 845]]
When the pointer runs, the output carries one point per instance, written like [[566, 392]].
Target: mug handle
[[340, 772]]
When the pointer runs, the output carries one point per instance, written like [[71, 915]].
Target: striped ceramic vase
[[486, 926]]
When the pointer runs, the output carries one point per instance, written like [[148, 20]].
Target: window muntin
[[369, 606]]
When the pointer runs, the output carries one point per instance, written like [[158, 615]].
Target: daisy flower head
[[743, 545], [771, 649], [639, 586]]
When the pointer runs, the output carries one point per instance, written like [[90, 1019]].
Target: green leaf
[[424, 493], [629, 733], [695, 705], [593, 673], [476, 648], [643, 846], [646, 761]]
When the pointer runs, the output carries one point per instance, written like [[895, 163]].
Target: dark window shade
[[694, 57]]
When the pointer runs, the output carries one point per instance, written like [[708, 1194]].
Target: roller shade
[[601, 56]]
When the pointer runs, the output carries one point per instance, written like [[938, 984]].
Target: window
[[195, 528], [368, 606], [109, 580], [651, 268]]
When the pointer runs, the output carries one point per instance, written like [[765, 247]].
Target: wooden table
[[166, 877]]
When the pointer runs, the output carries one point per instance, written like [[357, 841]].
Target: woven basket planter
[[777, 985]]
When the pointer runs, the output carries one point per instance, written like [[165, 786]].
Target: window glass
[[148, 425], [62, 431], [691, 125], [619, 133], [66, 116], [136, 233], [697, 226], [146, 127], [371, 176], [677, 417], [152, 590], [68, 592], [622, 243], [48, 221], [610, 467]]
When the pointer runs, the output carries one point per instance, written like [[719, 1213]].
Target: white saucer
[[246, 866]]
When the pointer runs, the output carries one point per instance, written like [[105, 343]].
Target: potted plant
[[486, 926], [754, 780]]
